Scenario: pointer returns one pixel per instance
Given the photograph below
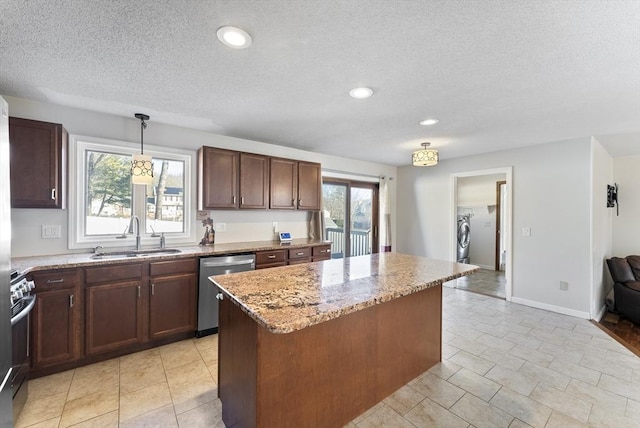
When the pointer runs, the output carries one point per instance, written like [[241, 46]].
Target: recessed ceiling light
[[429, 122], [234, 37], [361, 92]]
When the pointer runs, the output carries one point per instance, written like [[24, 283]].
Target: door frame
[[375, 210], [498, 220], [508, 171]]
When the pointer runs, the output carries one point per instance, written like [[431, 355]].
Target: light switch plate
[[51, 231]]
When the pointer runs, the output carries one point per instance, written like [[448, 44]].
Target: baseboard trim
[[487, 267], [603, 311], [552, 308]]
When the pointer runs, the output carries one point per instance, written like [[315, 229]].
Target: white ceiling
[[498, 74]]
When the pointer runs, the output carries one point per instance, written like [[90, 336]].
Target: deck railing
[[359, 241]]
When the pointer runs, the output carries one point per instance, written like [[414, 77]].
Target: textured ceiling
[[498, 74]]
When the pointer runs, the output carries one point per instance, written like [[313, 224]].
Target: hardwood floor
[[623, 330]]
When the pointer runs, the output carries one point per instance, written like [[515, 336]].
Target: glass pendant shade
[[425, 156], [141, 169]]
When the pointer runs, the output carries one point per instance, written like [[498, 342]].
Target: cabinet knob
[[220, 296]]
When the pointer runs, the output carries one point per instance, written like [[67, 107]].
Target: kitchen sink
[[134, 253]]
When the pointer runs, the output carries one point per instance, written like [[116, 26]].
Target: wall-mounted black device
[[612, 197]]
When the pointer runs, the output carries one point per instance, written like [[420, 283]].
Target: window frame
[[78, 145]]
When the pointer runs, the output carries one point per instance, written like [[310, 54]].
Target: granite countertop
[[64, 261], [290, 298]]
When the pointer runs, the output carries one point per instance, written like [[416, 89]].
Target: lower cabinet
[[114, 316], [172, 304], [55, 335]]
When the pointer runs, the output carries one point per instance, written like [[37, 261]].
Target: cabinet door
[[52, 328], [218, 178], [38, 151], [113, 316], [309, 186], [172, 305], [283, 189], [254, 181]]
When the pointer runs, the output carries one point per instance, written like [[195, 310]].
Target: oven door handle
[[24, 312]]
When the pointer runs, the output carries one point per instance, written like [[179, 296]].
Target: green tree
[[108, 180]]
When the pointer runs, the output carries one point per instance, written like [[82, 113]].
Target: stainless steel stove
[[22, 302]]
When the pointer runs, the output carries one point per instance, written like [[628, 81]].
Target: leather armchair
[[626, 288]]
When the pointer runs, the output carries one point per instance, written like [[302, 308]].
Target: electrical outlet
[[51, 231], [221, 227], [564, 285], [275, 227]]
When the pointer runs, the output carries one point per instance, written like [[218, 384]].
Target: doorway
[[483, 200], [350, 217]]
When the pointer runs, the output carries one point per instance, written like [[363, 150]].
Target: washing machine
[[464, 238]]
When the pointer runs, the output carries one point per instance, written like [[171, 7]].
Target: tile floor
[[484, 281], [504, 365]]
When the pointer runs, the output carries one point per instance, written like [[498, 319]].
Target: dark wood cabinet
[[218, 178], [299, 255], [172, 304], [38, 163], [321, 252], [114, 307], [283, 190], [273, 258], [309, 186], [55, 320], [295, 185], [254, 181]]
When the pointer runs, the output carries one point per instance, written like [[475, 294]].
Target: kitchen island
[[317, 344]]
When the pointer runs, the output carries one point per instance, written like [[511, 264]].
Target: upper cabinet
[[254, 181], [295, 185], [38, 163], [232, 180], [217, 178]]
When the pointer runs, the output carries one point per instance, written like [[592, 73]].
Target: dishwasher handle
[[225, 263]]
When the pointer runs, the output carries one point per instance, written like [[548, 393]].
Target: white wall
[[551, 195], [601, 226], [626, 226], [478, 190], [241, 225]]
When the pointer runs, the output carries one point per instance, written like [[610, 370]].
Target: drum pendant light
[[141, 164], [425, 156]]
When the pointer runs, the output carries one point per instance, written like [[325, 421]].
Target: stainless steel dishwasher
[[207, 302]]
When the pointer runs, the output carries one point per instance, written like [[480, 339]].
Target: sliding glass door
[[350, 217]]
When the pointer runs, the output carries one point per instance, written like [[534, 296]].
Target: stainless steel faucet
[[135, 224]]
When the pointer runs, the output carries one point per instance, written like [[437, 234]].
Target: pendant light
[[141, 164], [425, 156]]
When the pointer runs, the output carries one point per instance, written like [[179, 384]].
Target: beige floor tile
[[50, 423], [532, 355], [517, 423], [144, 400], [384, 417], [474, 383], [522, 407], [50, 385], [188, 396], [403, 399], [430, 414], [367, 413], [626, 388], [150, 357], [511, 379], [472, 362], [445, 369], [108, 420], [543, 374], [88, 407], [595, 395], [576, 371], [560, 420], [164, 417], [187, 373], [207, 342], [213, 370], [438, 390], [503, 359], [209, 356], [633, 410], [100, 377], [145, 375], [601, 416], [179, 353], [208, 415], [481, 414], [468, 345], [41, 410], [562, 402]]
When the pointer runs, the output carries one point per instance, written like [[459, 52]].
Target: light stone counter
[[290, 298], [74, 260]]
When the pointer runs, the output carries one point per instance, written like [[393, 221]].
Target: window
[[103, 200]]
